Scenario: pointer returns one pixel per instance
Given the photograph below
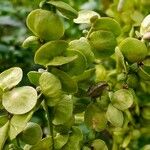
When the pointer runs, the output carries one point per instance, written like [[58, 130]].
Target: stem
[[49, 122]]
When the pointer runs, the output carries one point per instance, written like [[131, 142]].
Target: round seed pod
[[103, 43], [133, 50], [45, 24], [31, 134], [122, 99], [132, 80]]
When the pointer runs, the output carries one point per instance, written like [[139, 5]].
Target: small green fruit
[[31, 134], [133, 50], [45, 24]]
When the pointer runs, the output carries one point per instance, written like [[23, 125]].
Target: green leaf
[[83, 46], [107, 24], [47, 52], [60, 141], [99, 145], [122, 99], [31, 130], [78, 65], [10, 78], [95, 118], [120, 62], [144, 73], [103, 43], [33, 77], [3, 134], [20, 100], [114, 116], [51, 88], [3, 119], [61, 60], [133, 49], [44, 144], [84, 16], [86, 75], [65, 9], [68, 84], [18, 123], [74, 140], [45, 24], [63, 110]]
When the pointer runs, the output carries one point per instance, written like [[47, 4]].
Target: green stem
[[49, 122]]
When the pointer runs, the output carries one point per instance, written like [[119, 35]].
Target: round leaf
[[99, 145], [45, 24], [33, 77], [51, 88], [107, 24], [83, 46], [84, 16], [31, 130], [103, 43], [95, 118], [68, 84], [65, 9], [114, 116], [60, 141], [63, 110], [10, 78], [133, 49], [46, 53], [122, 99], [20, 100], [78, 65]]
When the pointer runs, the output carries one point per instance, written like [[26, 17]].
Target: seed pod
[[45, 24], [133, 50], [122, 99], [132, 80], [31, 134], [103, 43], [96, 90]]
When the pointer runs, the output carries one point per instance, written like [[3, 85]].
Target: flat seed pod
[[44, 144], [146, 113], [45, 24], [145, 25], [95, 118], [3, 134], [61, 60], [33, 77], [74, 140], [65, 9], [122, 99], [18, 123], [60, 141], [32, 42], [144, 73], [84, 16], [103, 43], [83, 46], [99, 145], [20, 100], [68, 84], [107, 24], [133, 50], [46, 53], [86, 75], [77, 66], [120, 62], [50, 86], [10, 78], [63, 110], [114, 116], [31, 134]]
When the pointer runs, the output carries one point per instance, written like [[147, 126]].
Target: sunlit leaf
[[20, 100]]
